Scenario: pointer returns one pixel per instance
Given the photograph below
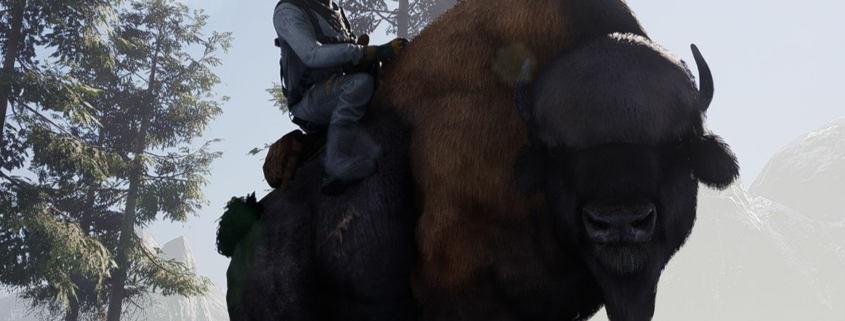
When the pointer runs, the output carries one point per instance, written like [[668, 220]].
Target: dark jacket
[[300, 48]]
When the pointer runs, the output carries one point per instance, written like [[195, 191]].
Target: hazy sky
[[777, 68]]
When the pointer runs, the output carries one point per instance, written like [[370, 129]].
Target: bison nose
[[622, 224]]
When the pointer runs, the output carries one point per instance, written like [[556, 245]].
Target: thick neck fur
[[617, 89]]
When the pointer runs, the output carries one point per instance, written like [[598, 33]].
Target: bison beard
[[621, 260]]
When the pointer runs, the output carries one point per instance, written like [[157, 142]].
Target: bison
[[541, 158]]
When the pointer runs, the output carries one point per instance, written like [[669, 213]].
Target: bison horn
[[705, 90], [523, 108]]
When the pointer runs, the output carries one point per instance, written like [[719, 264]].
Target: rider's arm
[[293, 26]]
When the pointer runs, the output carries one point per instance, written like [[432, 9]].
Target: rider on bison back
[[318, 56]]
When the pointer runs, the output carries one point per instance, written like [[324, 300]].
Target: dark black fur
[[597, 18], [617, 88], [617, 122], [346, 257]]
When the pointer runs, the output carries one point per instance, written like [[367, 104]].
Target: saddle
[[288, 154]]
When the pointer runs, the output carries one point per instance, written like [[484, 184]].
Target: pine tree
[[106, 160], [166, 103], [61, 28], [40, 242]]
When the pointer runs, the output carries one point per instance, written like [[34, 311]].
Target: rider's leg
[[341, 102], [339, 99], [350, 152]]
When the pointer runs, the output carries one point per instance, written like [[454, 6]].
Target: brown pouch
[[283, 159]]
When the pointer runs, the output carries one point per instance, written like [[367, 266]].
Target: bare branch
[[59, 127], [385, 18]]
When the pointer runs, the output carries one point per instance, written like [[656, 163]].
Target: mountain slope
[[210, 307], [808, 174]]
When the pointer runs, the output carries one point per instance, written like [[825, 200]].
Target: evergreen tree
[[165, 103], [61, 28], [40, 242], [107, 160]]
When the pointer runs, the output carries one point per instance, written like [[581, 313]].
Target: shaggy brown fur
[[466, 133]]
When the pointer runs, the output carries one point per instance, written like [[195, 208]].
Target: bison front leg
[[240, 268], [271, 275], [364, 259], [365, 245]]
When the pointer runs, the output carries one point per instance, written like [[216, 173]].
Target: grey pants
[[339, 99], [340, 102]]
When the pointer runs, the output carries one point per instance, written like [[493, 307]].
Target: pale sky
[[777, 68]]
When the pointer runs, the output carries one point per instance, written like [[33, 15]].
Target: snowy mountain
[[808, 174], [754, 259], [210, 307]]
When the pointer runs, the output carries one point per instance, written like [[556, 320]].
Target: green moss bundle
[[240, 215]]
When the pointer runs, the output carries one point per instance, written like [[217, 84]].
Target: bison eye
[[556, 154], [676, 145]]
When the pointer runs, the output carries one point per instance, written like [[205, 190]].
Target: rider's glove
[[384, 52]]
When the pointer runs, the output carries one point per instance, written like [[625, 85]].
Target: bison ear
[[528, 170], [713, 163]]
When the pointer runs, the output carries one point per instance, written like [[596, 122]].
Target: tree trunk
[[86, 223], [73, 310], [403, 19], [13, 39], [87, 220], [128, 228]]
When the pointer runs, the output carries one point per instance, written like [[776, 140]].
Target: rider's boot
[[350, 158]]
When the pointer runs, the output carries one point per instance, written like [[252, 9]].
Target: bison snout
[[620, 224]]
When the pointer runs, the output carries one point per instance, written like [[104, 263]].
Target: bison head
[[618, 146]]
